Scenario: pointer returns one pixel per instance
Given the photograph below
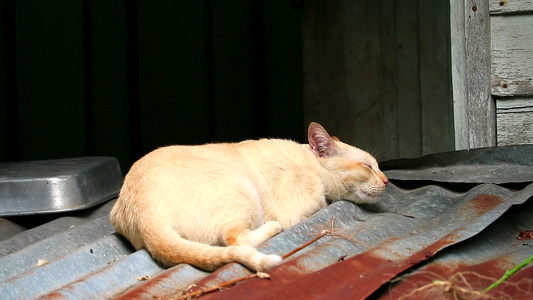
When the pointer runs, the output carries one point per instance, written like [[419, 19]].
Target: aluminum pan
[[39, 187]]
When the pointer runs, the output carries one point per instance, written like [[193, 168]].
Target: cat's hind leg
[[252, 238]]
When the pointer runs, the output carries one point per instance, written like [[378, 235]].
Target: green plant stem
[[508, 274]]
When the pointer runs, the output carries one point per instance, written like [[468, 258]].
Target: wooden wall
[[120, 78], [512, 70], [377, 74]]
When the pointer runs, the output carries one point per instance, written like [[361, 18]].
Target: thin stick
[[220, 286], [322, 234], [316, 238], [329, 232]]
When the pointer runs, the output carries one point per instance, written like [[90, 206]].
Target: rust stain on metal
[[464, 277], [355, 278], [147, 289], [525, 235], [218, 277], [419, 279], [287, 285], [485, 202], [519, 286], [159, 286], [54, 295], [59, 295], [479, 205]]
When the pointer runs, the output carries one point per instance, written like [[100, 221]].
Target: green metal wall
[[120, 78], [378, 74]]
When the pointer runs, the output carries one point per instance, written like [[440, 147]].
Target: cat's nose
[[383, 178]]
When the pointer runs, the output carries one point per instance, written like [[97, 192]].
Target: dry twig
[[327, 232], [316, 238], [220, 286], [458, 286]]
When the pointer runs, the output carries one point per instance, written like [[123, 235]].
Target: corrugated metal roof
[[451, 217]]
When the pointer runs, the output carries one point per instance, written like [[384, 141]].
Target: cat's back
[[249, 160], [171, 155], [265, 151], [278, 153], [187, 166], [182, 165]]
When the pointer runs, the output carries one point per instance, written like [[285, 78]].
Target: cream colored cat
[[210, 205]]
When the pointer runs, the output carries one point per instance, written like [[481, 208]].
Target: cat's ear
[[320, 142]]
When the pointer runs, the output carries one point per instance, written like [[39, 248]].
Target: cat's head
[[355, 172]]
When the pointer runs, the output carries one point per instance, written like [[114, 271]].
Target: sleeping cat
[[213, 204]]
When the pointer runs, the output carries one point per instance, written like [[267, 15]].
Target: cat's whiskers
[[372, 192]]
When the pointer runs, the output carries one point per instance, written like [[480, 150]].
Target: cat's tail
[[166, 246]]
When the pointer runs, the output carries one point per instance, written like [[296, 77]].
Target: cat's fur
[[212, 204]]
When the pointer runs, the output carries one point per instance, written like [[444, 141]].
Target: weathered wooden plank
[[360, 58], [437, 109], [514, 104], [481, 107], [388, 77], [515, 121], [408, 83], [459, 76], [340, 70], [512, 55], [363, 74], [513, 6], [474, 108]]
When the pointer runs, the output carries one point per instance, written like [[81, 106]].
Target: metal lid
[[45, 186]]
